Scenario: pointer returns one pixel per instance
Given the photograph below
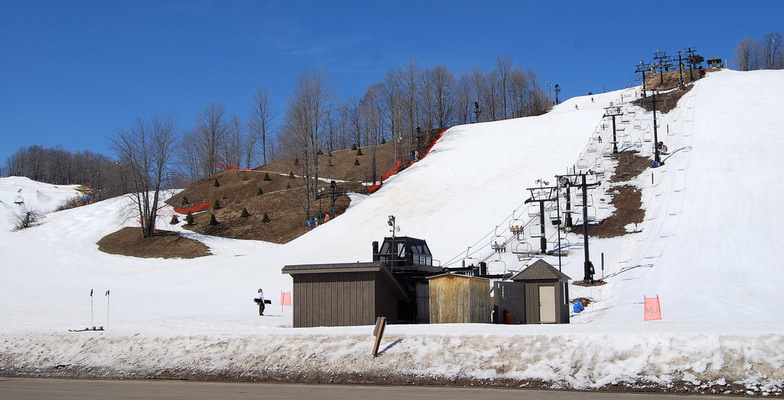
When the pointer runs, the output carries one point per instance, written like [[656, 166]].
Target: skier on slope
[[260, 301]]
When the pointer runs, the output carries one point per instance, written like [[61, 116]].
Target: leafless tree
[[305, 118], [261, 117], [145, 148], [747, 54], [503, 72], [772, 50], [211, 130]]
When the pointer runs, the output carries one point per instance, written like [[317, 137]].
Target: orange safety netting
[[200, 207]]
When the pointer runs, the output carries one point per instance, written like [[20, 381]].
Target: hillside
[[708, 246], [277, 191]]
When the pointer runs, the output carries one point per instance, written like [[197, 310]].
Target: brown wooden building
[[538, 294], [459, 299], [343, 294]]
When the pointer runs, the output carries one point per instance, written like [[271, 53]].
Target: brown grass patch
[[164, 244]]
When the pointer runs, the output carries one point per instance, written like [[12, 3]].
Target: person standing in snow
[[260, 300]]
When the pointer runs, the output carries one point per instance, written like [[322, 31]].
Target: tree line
[[752, 54], [409, 99]]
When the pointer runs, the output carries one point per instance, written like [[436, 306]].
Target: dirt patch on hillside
[[164, 244], [277, 191], [625, 198]]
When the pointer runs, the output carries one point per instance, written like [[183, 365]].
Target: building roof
[[540, 271], [451, 275], [328, 268]]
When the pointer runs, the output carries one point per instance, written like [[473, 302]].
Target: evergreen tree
[[244, 213], [216, 205], [213, 221], [174, 220], [216, 184], [265, 218], [189, 218]]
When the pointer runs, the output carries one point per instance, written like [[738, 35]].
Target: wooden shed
[[546, 291], [459, 299], [343, 294]]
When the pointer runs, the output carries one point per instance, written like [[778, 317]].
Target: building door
[[547, 304]]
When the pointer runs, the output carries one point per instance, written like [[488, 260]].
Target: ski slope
[[709, 247]]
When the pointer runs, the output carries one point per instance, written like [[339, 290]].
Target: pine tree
[[174, 220], [356, 161], [216, 205], [185, 201], [265, 218], [259, 192], [216, 184], [267, 177], [189, 218], [291, 175], [359, 152], [244, 213], [213, 221]]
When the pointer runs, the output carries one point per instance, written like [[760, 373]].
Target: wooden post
[[378, 332]]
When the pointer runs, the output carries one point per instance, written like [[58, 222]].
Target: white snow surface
[[709, 245]]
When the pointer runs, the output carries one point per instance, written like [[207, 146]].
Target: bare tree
[[211, 130], [503, 72], [747, 54], [145, 149], [261, 117], [772, 46], [305, 119]]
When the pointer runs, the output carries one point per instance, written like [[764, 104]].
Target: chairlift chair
[[522, 250]]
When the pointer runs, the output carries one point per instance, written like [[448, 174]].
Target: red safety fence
[[224, 167], [200, 207], [395, 170], [386, 176]]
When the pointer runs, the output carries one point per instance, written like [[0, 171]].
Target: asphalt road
[[86, 389]]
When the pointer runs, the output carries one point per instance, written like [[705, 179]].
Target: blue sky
[[73, 72]]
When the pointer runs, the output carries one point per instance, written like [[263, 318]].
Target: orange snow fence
[[200, 207], [652, 309]]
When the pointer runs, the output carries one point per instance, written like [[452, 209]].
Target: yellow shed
[[459, 299]]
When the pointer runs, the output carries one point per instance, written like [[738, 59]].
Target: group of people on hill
[[317, 220]]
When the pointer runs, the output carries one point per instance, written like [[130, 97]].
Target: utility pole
[[541, 194], [613, 111]]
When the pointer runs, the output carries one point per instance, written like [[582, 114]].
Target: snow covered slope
[[708, 246]]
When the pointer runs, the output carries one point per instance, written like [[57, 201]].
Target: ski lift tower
[[580, 180], [613, 111], [642, 67], [656, 157], [541, 195]]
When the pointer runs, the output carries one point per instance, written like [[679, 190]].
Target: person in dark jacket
[[260, 301]]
